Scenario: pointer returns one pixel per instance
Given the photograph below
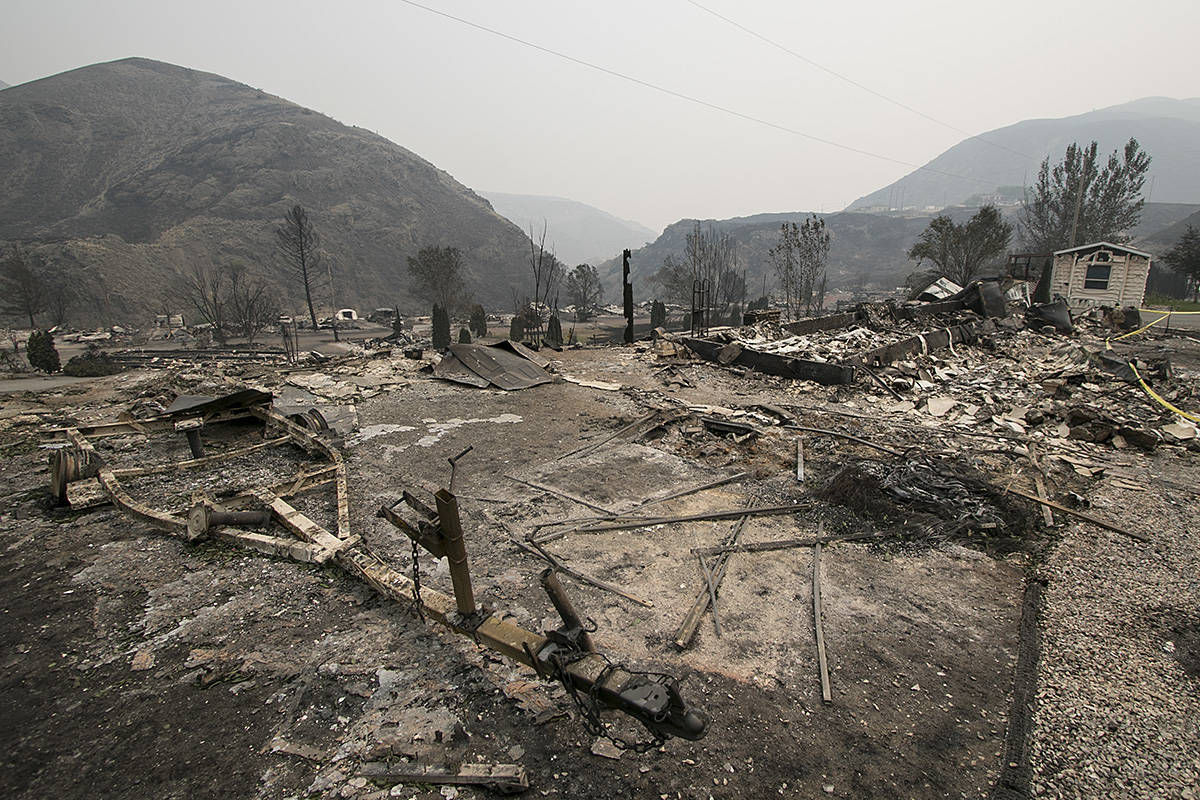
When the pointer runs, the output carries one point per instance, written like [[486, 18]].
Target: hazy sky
[[502, 116]]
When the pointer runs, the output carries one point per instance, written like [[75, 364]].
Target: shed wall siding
[[1126, 281]]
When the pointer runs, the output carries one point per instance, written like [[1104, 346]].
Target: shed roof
[[1109, 245]]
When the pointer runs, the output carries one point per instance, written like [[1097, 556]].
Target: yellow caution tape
[[1108, 342], [1162, 402], [1161, 311]]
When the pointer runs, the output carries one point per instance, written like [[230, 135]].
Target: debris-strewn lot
[[137, 665]]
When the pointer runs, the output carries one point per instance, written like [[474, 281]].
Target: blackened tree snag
[[297, 242], [627, 287]]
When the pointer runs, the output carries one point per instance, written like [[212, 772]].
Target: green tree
[[801, 259], [464, 336], [516, 328], [22, 289], [961, 252], [441, 328], [658, 314], [1077, 201], [437, 276], [554, 334], [584, 291], [297, 243], [1184, 258], [478, 321], [41, 352]]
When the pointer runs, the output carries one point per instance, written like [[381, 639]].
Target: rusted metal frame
[[273, 545], [309, 442], [506, 638], [195, 463], [566, 610], [112, 487], [303, 527], [159, 424], [426, 536], [305, 481], [456, 551]]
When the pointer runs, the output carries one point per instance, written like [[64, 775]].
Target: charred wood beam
[[774, 364]]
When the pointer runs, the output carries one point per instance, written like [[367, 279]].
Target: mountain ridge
[[124, 173], [1165, 127], [580, 233]]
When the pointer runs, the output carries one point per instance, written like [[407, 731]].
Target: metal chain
[[416, 579], [589, 709]]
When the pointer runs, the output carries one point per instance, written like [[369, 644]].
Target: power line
[[690, 98], [853, 82]]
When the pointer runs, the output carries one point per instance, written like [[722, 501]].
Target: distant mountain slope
[[4, 85], [124, 174], [865, 248], [1168, 129], [580, 233]]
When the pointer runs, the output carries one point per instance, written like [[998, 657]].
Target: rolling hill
[[124, 175], [1168, 129], [581, 234]]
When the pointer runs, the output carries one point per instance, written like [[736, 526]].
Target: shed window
[[1097, 276]]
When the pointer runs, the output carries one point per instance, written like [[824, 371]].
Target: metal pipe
[[194, 442], [456, 551], [562, 604]]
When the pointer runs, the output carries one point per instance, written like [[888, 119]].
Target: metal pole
[[456, 551], [562, 604]]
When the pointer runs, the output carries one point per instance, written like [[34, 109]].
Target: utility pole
[[627, 286]]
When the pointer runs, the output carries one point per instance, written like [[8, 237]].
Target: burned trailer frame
[[565, 655]]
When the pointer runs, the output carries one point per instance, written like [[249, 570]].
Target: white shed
[[1100, 274]]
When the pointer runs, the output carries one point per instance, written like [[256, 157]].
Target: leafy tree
[[1078, 201], [441, 328], [41, 352], [297, 242], [760, 304], [960, 252], [22, 289], [478, 322], [437, 275], [801, 259], [554, 334], [516, 328], [464, 336], [1184, 258], [584, 291]]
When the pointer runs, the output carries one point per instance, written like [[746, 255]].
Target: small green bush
[[91, 364], [41, 352], [441, 328]]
